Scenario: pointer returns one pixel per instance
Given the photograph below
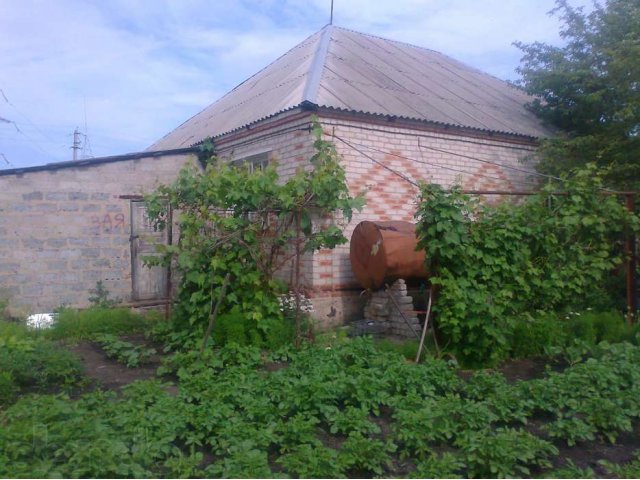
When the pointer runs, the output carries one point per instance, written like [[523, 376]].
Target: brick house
[[397, 113]]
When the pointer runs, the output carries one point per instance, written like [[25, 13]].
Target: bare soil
[[108, 373]]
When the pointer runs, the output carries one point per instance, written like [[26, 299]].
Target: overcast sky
[[126, 72]]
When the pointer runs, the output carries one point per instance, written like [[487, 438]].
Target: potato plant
[[231, 416]]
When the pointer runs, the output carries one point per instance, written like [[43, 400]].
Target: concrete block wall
[[62, 230]]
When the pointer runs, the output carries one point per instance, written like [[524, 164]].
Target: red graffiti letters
[[108, 222]]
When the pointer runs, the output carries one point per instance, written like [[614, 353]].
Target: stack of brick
[[383, 311]]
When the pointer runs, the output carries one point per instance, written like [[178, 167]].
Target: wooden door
[[149, 283]]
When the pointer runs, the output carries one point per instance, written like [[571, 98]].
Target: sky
[[127, 72]]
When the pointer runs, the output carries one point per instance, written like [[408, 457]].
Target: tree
[[590, 90], [248, 225]]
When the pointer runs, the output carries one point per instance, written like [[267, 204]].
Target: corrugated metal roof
[[351, 71]]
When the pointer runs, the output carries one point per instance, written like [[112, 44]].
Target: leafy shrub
[[627, 470], [125, 352], [447, 465], [491, 264], [408, 348], [87, 324], [8, 388], [504, 453], [570, 470], [101, 297], [37, 363], [243, 226], [536, 336], [573, 333]]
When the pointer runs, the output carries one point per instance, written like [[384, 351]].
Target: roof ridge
[[299, 45], [351, 30], [312, 86]]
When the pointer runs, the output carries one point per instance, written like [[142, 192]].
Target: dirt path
[[108, 373]]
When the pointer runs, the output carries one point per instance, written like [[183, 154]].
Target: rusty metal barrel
[[384, 252]]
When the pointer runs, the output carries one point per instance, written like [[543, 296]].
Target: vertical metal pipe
[[167, 307], [631, 261]]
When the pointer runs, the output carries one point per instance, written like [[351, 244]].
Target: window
[[253, 163]]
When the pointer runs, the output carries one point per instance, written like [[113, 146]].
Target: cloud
[[140, 69]]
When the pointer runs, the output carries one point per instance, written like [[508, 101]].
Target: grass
[[29, 362], [90, 323]]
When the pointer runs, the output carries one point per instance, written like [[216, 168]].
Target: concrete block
[[69, 207], [78, 196], [46, 208], [56, 242], [9, 243], [58, 265], [101, 262], [27, 197], [78, 241], [114, 208], [31, 290], [32, 242], [100, 196], [89, 252], [21, 207], [56, 196]]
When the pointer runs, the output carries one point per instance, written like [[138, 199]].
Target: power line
[[404, 177], [489, 162], [47, 137], [6, 160], [469, 157], [444, 167], [31, 140]]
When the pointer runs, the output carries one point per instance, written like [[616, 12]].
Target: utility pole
[[76, 143]]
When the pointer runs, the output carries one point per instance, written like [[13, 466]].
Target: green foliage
[[125, 352], [347, 410], [312, 461], [588, 88], [447, 465], [537, 336], [408, 348], [30, 362], [570, 470], [572, 334], [627, 470], [494, 264], [101, 297], [236, 327], [8, 388], [87, 324], [243, 223], [504, 453]]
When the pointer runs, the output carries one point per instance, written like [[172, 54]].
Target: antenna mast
[[331, 17], [76, 143]]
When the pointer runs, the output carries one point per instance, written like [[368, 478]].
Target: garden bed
[[348, 409]]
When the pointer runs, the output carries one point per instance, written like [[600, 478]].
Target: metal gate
[[149, 283]]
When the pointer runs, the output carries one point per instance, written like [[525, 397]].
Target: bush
[[87, 324], [408, 348], [536, 336], [27, 361], [235, 327], [8, 388], [552, 333]]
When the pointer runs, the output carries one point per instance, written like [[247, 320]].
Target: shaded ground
[[109, 373]]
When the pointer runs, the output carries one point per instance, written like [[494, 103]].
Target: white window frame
[[257, 161]]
